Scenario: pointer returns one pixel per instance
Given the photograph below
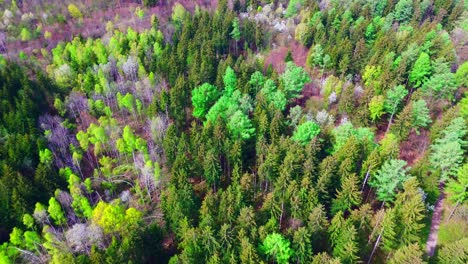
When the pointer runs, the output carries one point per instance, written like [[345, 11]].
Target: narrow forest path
[[435, 223]]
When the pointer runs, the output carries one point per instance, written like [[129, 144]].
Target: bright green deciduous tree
[[447, 152], [343, 132], [74, 11], [56, 212], [276, 246], [393, 100], [421, 70], [403, 10], [25, 34], [46, 156], [178, 13], [240, 125], [257, 80], [388, 179], [371, 77], [111, 217], [273, 95], [28, 220], [377, 107], [230, 81], [305, 132], [443, 83], [294, 79], [203, 98]]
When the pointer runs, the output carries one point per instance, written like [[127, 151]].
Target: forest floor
[[431, 244]]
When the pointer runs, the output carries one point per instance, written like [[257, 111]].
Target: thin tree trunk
[[378, 222], [390, 121], [365, 179], [375, 247], [453, 211]]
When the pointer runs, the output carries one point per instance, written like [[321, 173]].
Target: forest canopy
[[233, 131]]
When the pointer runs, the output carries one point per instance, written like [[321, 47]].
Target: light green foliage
[[133, 218], [140, 13], [462, 74], [420, 112], [178, 13], [230, 81], [343, 132], [293, 7], [388, 179], [443, 82], [235, 33], [421, 70], [315, 57], [389, 146], [240, 125], [110, 217], [371, 77], [16, 237], [464, 106], [4, 259], [126, 102], [447, 153], [276, 246], [300, 33], [305, 132], [83, 140], [403, 10], [257, 80], [46, 157], [74, 11], [332, 85], [394, 98], [129, 143], [28, 221], [273, 95], [32, 240], [203, 98], [294, 79], [454, 253], [56, 212], [295, 115], [81, 206], [25, 34], [224, 107], [377, 107]]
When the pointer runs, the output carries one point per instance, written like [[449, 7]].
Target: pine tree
[[421, 117], [410, 210], [407, 254], [348, 196]]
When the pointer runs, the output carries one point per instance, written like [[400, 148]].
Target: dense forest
[[242, 131]]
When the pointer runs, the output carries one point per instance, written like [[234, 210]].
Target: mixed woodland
[[251, 131]]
